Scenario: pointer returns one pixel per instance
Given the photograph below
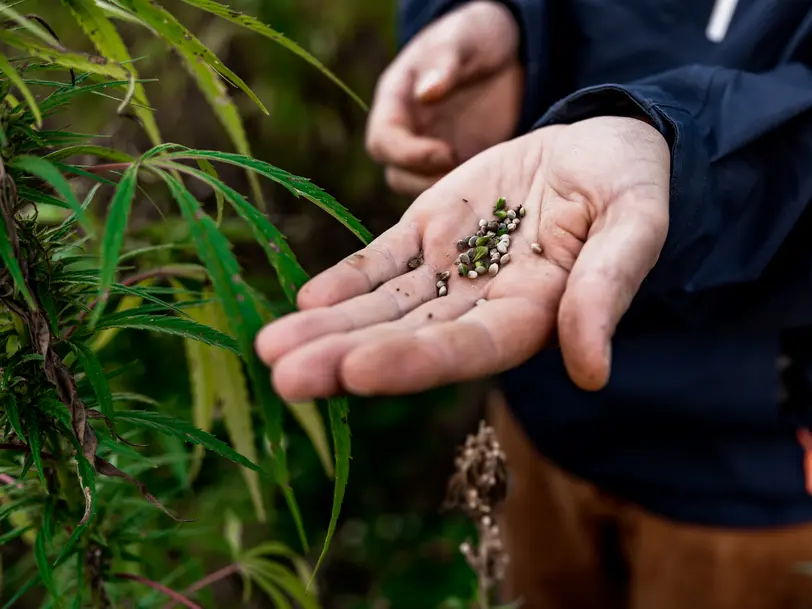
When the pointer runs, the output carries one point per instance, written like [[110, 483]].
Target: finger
[[391, 135], [408, 183], [391, 301], [606, 276], [385, 258], [313, 371], [434, 82], [489, 339]]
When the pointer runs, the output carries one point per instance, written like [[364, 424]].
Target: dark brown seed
[[471, 253], [493, 225], [443, 276], [472, 241], [462, 244], [465, 259]]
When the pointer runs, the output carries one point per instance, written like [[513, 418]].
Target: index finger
[[385, 258]]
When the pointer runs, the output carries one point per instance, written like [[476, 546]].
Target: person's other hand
[[453, 91], [596, 197]]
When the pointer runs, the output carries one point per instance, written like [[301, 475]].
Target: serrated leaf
[[339, 411], [178, 428], [30, 25], [301, 187], [205, 67], [102, 152], [44, 566], [253, 24], [35, 442], [108, 42], [87, 482], [309, 417], [114, 231], [209, 170], [13, 415], [291, 275], [67, 59], [13, 266], [8, 70], [244, 319], [47, 171], [201, 376], [173, 32], [166, 324], [95, 375], [235, 404]]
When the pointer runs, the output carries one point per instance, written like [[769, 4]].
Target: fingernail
[[428, 81]]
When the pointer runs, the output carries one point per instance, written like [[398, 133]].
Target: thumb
[[605, 278], [436, 80]]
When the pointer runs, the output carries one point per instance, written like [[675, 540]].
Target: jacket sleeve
[[741, 174], [532, 18]]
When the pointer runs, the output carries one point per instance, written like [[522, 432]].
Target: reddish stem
[[176, 596], [6, 479], [207, 581]]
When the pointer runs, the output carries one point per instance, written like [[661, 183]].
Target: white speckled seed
[[443, 291], [493, 269], [502, 247]]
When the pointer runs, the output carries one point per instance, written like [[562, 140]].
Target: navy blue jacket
[[698, 422]]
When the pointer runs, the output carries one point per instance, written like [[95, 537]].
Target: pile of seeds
[[486, 251]]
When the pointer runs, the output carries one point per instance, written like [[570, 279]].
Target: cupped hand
[[453, 91], [595, 195]]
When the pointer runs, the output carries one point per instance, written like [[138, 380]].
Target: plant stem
[[176, 596], [207, 581]]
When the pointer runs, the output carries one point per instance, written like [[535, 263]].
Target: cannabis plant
[[69, 455]]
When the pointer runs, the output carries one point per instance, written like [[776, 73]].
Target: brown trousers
[[573, 547]]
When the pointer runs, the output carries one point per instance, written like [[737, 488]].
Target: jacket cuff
[[691, 220]]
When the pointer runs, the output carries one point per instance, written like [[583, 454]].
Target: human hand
[[454, 90], [596, 199]]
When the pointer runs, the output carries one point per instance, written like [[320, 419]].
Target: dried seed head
[[442, 291], [537, 249], [481, 270], [493, 269], [511, 214], [462, 269], [472, 274], [504, 259], [464, 259]]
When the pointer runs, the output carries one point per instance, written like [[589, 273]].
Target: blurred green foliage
[[394, 548]]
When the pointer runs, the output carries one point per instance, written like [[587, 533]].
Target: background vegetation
[[393, 548]]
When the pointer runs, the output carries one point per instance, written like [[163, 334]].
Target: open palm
[[596, 200]]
